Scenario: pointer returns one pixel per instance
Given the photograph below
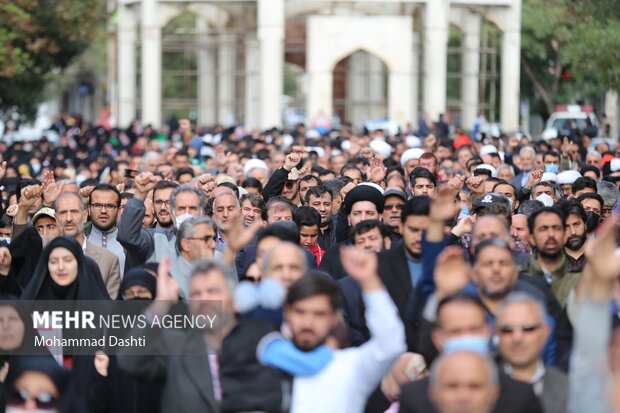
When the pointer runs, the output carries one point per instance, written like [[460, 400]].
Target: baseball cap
[[490, 199], [45, 211]]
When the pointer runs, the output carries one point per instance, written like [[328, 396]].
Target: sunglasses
[[527, 328], [43, 400], [393, 206]]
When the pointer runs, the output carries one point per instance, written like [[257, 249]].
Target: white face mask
[[179, 220], [545, 199], [18, 410]]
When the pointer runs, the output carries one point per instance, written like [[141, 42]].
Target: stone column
[[206, 75], [151, 64], [470, 68], [252, 84], [435, 57], [415, 79], [226, 77], [611, 111], [271, 40], [511, 68], [126, 66]]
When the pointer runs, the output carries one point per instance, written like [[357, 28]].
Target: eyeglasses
[[393, 206], [526, 328], [290, 184], [206, 238], [160, 202], [43, 400], [99, 206]]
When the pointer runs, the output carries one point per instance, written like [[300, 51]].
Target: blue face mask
[[552, 168], [464, 212], [4, 241], [477, 344], [36, 167]]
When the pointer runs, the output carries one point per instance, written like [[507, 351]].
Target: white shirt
[[345, 384]]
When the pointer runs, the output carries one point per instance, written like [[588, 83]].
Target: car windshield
[[559, 123]]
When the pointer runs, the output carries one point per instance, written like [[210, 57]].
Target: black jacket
[[514, 397]]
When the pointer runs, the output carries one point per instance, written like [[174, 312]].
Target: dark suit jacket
[[394, 272], [514, 397], [516, 181], [188, 386]]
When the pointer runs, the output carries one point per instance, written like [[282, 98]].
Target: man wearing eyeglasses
[[522, 329], [103, 207], [195, 240]]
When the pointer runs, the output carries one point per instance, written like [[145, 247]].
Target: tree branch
[[537, 84]]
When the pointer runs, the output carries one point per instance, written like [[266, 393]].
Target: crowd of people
[[357, 271]]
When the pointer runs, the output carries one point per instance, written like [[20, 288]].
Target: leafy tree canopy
[[570, 49], [38, 37]]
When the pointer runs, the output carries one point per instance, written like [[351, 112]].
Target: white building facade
[[235, 61]]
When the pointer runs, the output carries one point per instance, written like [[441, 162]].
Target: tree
[[570, 36], [37, 38]]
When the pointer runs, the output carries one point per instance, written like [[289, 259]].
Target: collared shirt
[[108, 241], [537, 379]]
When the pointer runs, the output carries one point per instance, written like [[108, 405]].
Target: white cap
[[568, 177], [319, 150], [614, 165], [413, 141], [381, 147], [377, 187], [409, 154], [345, 145], [487, 149], [489, 168], [254, 163], [549, 177], [287, 140], [313, 134]]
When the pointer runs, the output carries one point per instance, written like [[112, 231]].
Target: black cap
[[490, 199], [396, 192], [363, 193]]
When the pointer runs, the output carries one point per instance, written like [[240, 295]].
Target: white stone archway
[[331, 38]]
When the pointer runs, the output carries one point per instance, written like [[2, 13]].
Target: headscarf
[[27, 344], [87, 286], [138, 276]]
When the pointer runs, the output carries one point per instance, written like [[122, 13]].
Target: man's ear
[[184, 244], [387, 243]]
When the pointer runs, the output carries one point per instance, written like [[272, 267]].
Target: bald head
[[489, 226], [463, 381], [286, 262]]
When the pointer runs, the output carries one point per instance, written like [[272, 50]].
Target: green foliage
[[569, 36], [38, 37]]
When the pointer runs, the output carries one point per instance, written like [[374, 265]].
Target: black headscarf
[[87, 285], [138, 276], [27, 345]]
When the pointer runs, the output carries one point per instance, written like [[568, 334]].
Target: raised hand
[[144, 183], [377, 170], [443, 207], [239, 236], [206, 182], [102, 361], [5, 261], [452, 273], [12, 210], [345, 189], [535, 177], [167, 287], [456, 184], [29, 196], [362, 266], [464, 226], [603, 260], [475, 184], [51, 188], [85, 192], [292, 160]]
